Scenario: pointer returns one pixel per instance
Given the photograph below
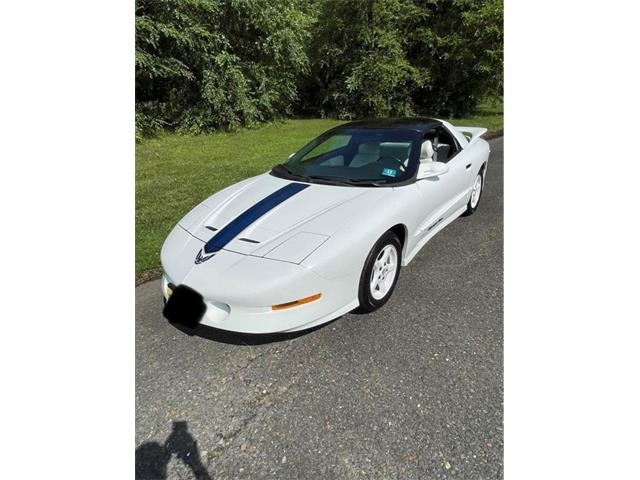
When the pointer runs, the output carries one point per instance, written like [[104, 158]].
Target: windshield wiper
[[375, 183], [347, 181], [331, 179], [282, 169]]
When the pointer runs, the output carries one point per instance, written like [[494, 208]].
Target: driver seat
[[368, 152], [426, 152]]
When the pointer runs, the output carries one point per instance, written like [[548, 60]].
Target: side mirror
[[291, 155], [432, 169]]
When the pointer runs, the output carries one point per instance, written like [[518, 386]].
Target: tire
[[474, 200], [383, 255]]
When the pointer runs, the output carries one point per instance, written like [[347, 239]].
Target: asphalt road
[[413, 390]]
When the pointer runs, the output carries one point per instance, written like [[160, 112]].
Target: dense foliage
[[209, 64]]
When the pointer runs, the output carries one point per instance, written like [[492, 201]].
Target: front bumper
[[240, 299]]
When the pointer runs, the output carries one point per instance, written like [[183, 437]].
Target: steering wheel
[[395, 159]]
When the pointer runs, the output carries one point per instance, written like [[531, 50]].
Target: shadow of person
[[151, 461], [153, 458], [184, 446]]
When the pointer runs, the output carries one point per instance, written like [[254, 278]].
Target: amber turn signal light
[[295, 303]]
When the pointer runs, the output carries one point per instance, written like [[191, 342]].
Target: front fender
[[345, 252]]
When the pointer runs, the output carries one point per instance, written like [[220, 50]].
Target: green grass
[[176, 172], [489, 115]]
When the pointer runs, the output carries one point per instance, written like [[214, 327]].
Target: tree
[[458, 44], [208, 64], [203, 65], [358, 64]]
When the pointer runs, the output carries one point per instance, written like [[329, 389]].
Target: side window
[[445, 145]]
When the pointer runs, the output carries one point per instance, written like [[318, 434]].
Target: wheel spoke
[[475, 192], [384, 271]]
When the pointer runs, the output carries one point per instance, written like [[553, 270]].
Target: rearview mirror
[[432, 169]]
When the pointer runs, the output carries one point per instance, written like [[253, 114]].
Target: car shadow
[[152, 458], [235, 338]]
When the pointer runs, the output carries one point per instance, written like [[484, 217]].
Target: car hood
[[289, 230]]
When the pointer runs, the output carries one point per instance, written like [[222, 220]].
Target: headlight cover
[[297, 248]]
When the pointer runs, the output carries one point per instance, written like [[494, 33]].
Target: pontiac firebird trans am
[[325, 232]]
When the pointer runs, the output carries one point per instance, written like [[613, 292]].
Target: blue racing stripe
[[246, 218]]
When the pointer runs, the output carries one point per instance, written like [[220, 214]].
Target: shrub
[[203, 65], [209, 64]]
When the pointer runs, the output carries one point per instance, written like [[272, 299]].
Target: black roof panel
[[421, 124]]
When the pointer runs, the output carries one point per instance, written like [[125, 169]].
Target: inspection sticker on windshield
[[389, 172]]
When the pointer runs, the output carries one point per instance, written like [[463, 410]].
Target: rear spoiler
[[472, 133]]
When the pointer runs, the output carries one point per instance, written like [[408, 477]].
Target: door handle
[[468, 167]]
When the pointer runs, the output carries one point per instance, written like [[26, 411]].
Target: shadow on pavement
[[235, 338], [153, 458]]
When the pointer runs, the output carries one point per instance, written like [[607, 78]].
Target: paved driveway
[[413, 390]]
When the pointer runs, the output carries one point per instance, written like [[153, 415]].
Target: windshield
[[355, 156]]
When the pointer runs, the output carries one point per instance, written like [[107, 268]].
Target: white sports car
[[324, 233]]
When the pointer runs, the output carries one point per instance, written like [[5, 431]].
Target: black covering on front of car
[[185, 307]]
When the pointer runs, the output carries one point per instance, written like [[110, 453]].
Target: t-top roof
[[421, 124]]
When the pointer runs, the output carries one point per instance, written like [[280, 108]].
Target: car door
[[460, 172], [434, 197], [445, 195], [461, 165]]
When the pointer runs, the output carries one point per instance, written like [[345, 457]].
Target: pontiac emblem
[[200, 258]]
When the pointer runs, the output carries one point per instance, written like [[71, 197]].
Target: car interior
[[443, 144], [438, 146], [354, 157], [366, 153], [427, 152]]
